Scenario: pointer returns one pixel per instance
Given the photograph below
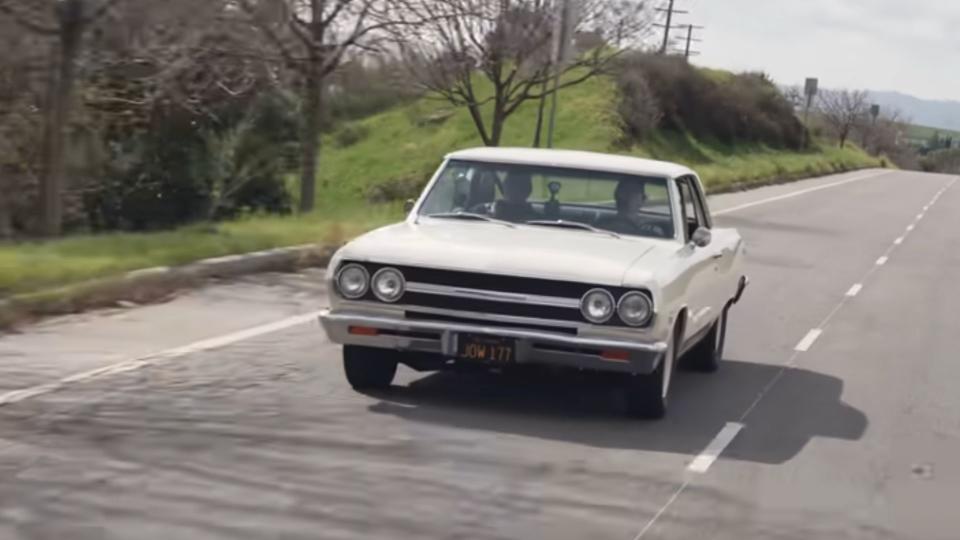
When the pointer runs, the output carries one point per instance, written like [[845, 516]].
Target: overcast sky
[[912, 46]]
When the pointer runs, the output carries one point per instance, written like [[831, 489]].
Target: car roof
[[573, 159]]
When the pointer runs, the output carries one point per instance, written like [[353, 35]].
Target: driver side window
[[691, 207]]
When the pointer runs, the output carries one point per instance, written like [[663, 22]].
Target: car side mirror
[[701, 237], [408, 205]]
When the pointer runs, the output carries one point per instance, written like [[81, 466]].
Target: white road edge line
[[882, 260], [797, 193], [705, 459], [808, 340], [855, 290], [169, 354]]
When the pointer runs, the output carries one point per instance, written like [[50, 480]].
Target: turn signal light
[[616, 356], [363, 331]]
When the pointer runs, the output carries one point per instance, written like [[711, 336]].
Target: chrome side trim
[[495, 296], [493, 317]]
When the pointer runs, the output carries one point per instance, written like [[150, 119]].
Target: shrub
[[638, 108], [400, 188], [350, 135], [745, 107]]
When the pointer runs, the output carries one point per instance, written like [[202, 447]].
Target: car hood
[[526, 251]]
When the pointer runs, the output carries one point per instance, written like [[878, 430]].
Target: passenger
[[514, 206], [630, 196]]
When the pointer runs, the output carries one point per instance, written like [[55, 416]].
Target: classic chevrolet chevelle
[[542, 257]]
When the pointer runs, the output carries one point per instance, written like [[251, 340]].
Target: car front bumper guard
[[532, 346]]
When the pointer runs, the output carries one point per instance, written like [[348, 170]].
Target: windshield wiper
[[470, 216], [571, 225]]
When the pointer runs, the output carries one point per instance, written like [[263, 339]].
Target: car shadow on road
[[797, 405]]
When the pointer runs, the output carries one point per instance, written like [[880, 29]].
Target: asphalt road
[[224, 414]]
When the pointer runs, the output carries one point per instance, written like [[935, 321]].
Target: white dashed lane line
[[808, 340], [882, 260], [705, 459], [854, 290]]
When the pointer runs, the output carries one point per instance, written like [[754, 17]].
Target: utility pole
[[559, 57], [810, 89], [666, 27], [686, 50]]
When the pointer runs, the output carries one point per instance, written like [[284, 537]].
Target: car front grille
[[554, 303]]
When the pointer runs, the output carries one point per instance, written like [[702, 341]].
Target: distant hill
[[924, 112]]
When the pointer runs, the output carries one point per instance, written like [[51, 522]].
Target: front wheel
[[368, 368], [646, 395], [706, 355]]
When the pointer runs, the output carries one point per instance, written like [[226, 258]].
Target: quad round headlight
[[597, 306], [635, 308], [353, 281], [388, 284]]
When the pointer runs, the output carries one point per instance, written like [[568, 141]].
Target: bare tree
[[64, 23], [312, 39], [514, 46], [843, 111]]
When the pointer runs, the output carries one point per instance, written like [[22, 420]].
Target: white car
[[524, 256]]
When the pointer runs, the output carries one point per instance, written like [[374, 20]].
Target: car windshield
[[544, 196]]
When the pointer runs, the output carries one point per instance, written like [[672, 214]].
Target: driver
[[630, 196], [514, 206]]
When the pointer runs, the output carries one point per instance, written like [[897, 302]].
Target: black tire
[[368, 368], [646, 395], [706, 355]]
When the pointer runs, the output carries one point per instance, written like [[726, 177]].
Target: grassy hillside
[[401, 147], [915, 131], [390, 155]]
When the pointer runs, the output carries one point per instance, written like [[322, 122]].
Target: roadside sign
[[810, 88]]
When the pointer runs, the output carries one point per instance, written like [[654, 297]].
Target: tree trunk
[[499, 116], [6, 219], [540, 109], [477, 118], [496, 128], [58, 118], [310, 143]]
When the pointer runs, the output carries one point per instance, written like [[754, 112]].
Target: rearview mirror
[[701, 237], [408, 205]]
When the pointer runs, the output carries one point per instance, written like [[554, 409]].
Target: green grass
[[30, 267], [402, 145], [915, 131]]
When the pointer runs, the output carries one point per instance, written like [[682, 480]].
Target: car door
[[702, 262]]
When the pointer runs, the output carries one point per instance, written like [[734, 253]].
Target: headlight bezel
[[379, 274], [366, 280], [635, 294], [608, 295]]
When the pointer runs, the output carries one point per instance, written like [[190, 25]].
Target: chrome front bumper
[[533, 346]]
